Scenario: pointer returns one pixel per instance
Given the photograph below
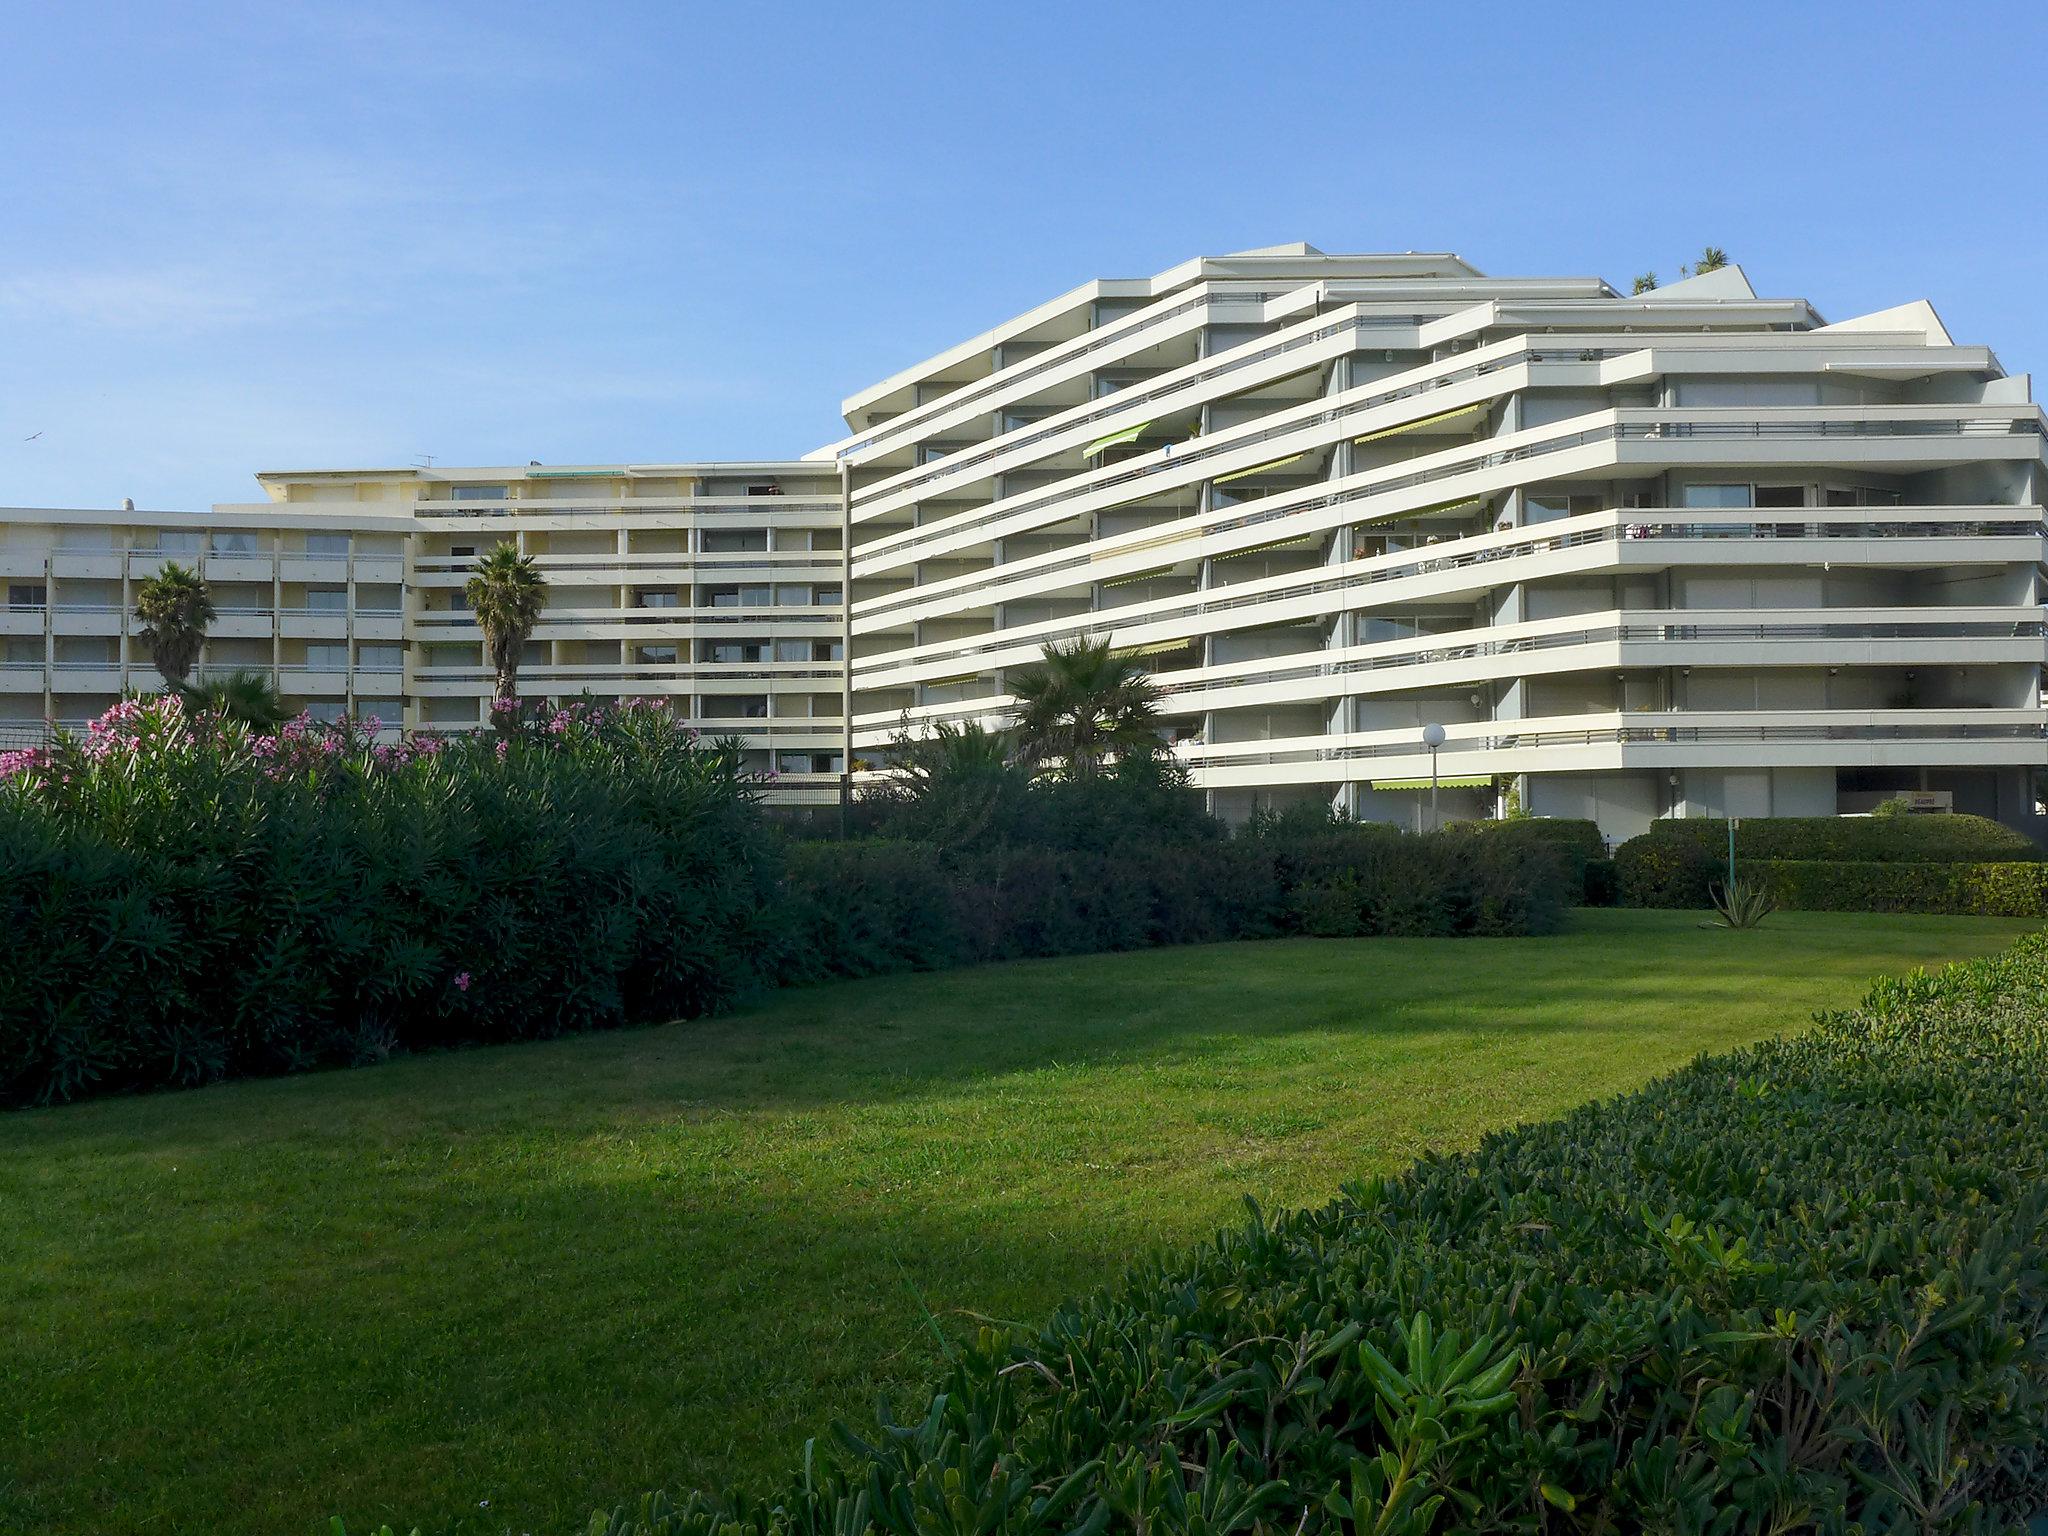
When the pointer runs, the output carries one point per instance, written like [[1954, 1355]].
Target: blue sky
[[246, 236]]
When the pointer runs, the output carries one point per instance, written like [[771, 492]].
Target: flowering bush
[[185, 899]]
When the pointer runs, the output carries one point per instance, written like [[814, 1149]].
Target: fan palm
[[954, 784], [506, 593], [1082, 704], [247, 697], [174, 608]]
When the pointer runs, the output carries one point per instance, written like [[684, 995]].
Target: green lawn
[[552, 1275]]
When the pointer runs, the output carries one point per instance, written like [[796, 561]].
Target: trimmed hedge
[[1799, 1287], [1973, 890], [866, 907], [1673, 863], [1577, 842]]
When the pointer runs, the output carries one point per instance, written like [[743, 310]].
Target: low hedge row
[[1674, 863], [861, 908], [1972, 890], [1799, 1287]]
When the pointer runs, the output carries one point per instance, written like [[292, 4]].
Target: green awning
[[1128, 435], [1481, 781]]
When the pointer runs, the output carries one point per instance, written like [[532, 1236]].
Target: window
[[793, 597], [234, 542], [179, 541], [1713, 496], [1781, 496], [655, 655], [461, 551], [792, 650], [24, 653], [389, 712], [30, 594], [732, 541], [827, 596], [327, 599], [381, 658], [826, 650], [658, 598], [326, 711], [755, 597], [477, 493], [327, 658], [85, 538], [764, 488], [326, 543], [733, 651]]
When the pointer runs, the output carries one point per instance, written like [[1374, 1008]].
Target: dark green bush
[[1578, 843], [1672, 864], [921, 907], [182, 902], [1796, 1288], [2010, 889]]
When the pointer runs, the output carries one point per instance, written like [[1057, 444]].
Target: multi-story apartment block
[[1681, 552], [309, 599], [1689, 551], [714, 586]]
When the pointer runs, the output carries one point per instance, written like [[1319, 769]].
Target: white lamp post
[[1432, 738]]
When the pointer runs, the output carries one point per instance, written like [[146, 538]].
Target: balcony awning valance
[[1468, 781], [1128, 435], [1423, 421]]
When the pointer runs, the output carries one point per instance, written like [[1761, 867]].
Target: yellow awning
[[1424, 421], [1259, 469]]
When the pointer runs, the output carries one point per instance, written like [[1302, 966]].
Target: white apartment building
[[1686, 552], [714, 586]]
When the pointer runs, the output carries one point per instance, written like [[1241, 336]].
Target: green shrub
[[1670, 865], [183, 899], [2010, 889], [921, 907], [1578, 843], [1798, 1287]]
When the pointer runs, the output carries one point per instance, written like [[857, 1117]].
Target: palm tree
[[174, 608], [1082, 704], [506, 594], [247, 697], [954, 784], [1712, 259]]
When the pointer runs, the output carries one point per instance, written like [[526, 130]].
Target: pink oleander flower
[[462, 981]]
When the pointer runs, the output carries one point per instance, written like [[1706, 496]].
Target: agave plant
[[1741, 904]]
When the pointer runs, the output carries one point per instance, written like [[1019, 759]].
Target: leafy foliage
[[1794, 1288], [173, 609], [184, 899]]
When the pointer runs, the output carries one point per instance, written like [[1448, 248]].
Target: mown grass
[[503, 1285]]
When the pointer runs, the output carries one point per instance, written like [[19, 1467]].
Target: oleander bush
[[1795, 1288], [184, 899], [1672, 864]]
